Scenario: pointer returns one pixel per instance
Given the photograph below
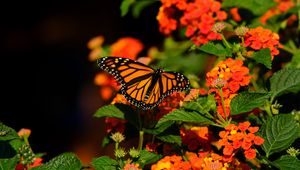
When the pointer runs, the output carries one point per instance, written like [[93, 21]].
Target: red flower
[[236, 137], [173, 162], [127, 47], [260, 38], [281, 7], [198, 16], [228, 75], [250, 153], [114, 125], [235, 14], [196, 137]]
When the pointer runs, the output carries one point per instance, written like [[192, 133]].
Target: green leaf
[[279, 133], [139, 6], [215, 48], [247, 101], [125, 5], [7, 133], [120, 111], [106, 140], [295, 62], [159, 128], [264, 57], [287, 162], [257, 7], [104, 163], [170, 138], [9, 163], [65, 161], [201, 104], [147, 158], [184, 116], [285, 81]]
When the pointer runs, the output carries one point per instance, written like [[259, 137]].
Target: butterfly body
[[143, 86]]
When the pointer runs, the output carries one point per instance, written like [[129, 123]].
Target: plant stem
[[141, 132], [223, 103], [285, 48], [141, 140], [225, 42]]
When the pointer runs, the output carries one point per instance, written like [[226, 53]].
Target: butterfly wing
[[167, 83], [134, 77]]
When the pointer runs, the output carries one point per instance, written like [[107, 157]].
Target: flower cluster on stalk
[[260, 38], [197, 16], [281, 7], [242, 136], [225, 79]]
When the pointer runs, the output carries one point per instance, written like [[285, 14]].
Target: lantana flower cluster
[[281, 7], [259, 38], [242, 136], [225, 79], [196, 137], [197, 16]]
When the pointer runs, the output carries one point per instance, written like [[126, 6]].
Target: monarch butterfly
[[141, 85]]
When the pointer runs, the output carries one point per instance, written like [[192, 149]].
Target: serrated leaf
[[257, 7], [264, 57], [201, 104], [65, 161], [184, 116], [285, 81], [160, 128], [279, 133], [125, 5], [147, 158], [170, 138], [216, 49], [104, 163], [7, 133], [120, 111], [247, 101], [9, 163], [287, 162]]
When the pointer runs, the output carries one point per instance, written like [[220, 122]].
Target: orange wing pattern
[[141, 85]]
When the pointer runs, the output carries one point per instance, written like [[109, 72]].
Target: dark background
[[46, 78]]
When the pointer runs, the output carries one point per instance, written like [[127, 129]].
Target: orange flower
[[173, 162], [127, 47], [207, 161], [95, 42], [166, 23], [250, 153], [260, 38], [24, 133], [198, 16], [170, 103], [235, 14], [236, 137], [281, 7], [196, 137], [131, 166], [228, 75], [108, 85]]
